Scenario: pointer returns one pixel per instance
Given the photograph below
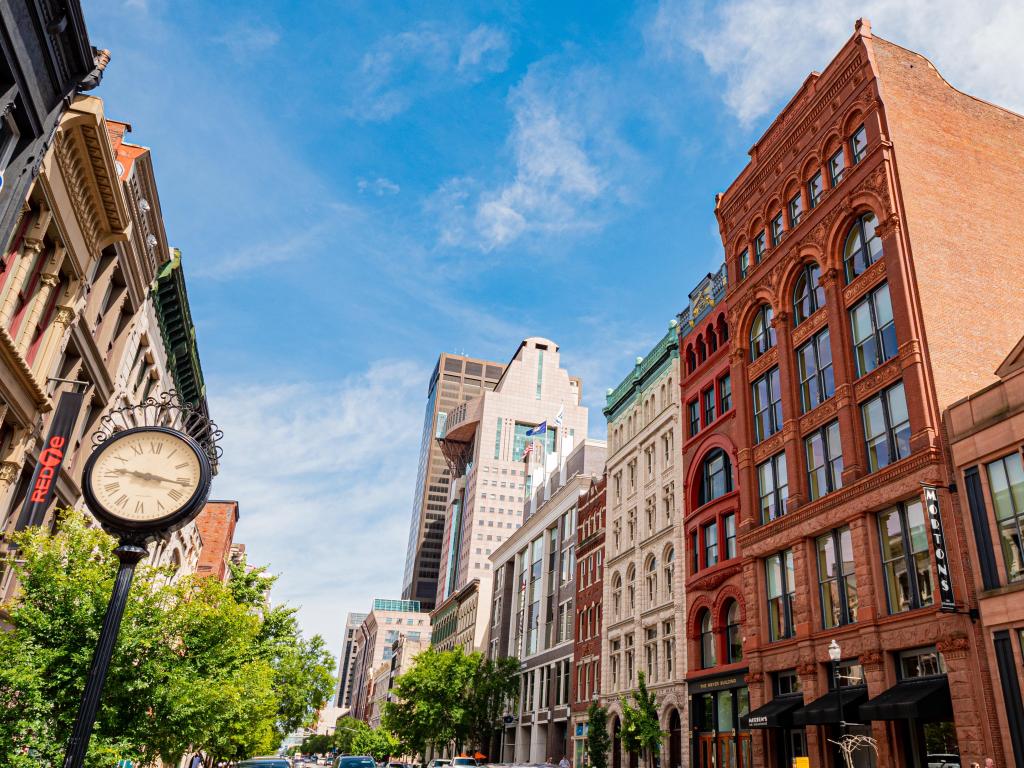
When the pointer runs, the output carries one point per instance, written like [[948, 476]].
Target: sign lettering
[[931, 503], [50, 459]]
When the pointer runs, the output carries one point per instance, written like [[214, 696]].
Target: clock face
[[145, 475]]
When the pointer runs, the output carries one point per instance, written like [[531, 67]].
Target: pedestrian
[[564, 762], [550, 761], [990, 763]]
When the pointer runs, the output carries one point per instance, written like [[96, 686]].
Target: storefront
[[579, 746], [719, 707], [785, 740]]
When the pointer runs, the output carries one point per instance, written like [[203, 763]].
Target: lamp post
[[835, 653]]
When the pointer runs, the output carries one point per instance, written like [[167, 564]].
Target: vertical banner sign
[[931, 503], [51, 457]]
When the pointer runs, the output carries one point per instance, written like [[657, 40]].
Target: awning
[[921, 699], [826, 709], [777, 713]]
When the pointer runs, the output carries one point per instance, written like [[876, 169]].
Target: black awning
[[826, 709], [777, 713], [921, 699]]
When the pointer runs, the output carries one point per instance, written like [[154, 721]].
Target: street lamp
[[835, 653]]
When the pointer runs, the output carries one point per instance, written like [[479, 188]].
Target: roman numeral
[[140, 508], [136, 449], [160, 507], [175, 494], [122, 501], [182, 480], [156, 448], [183, 465], [111, 487], [172, 453]]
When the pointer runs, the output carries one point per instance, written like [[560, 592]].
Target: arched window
[[617, 596], [723, 329], [702, 350], [691, 360], [716, 476], [631, 589], [707, 641], [762, 333], [863, 246], [808, 295], [652, 580], [712, 339], [733, 637], [670, 569]]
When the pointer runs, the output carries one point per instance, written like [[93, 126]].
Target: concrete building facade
[[454, 624], [849, 282], [532, 611], [643, 581], [346, 662], [455, 380]]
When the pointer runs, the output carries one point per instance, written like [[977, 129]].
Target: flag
[[527, 451], [540, 429], [558, 418]]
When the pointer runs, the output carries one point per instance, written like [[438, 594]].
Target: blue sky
[[358, 186]]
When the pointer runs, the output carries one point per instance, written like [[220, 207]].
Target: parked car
[[439, 762], [265, 762], [943, 761], [354, 761], [464, 762]]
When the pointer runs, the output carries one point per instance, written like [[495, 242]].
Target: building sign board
[[931, 503]]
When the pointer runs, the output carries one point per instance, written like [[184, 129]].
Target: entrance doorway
[[675, 740], [616, 743]]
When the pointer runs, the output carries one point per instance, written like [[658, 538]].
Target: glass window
[[814, 367], [762, 332], [744, 263], [767, 405], [824, 460], [808, 295], [759, 247], [863, 247], [710, 544], [835, 167], [733, 634], [859, 145], [717, 476], [920, 662], [780, 582], [1006, 484], [777, 229], [787, 683], [693, 415], [724, 393], [874, 331], [521, 440], [694, 553], [886, 427], [836, 578], [796, 210], [773, 487], [707, 641], [905, 559], [729, 523], [815, 189], [709, 405]]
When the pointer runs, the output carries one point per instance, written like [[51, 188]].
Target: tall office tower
[[346, 662], [483, 442], [455, 379]]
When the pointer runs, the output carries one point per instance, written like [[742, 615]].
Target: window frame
[[814, 199], [867, 257], [709, 401], [842, 579], [833, 478], [766, 338], [856, 156], [760, 247], [795, 206], [779, 491], [907, 556], [785, 597], [810, 278], [836, 177], [744, 263], [774, 394], [693, 416], [709, 543], [707, 477], [729, 529], [732, 629], [878, 334], [1015, 518], [891, 433], [778, 228], [823, 376], [707, 640], [724, 387]]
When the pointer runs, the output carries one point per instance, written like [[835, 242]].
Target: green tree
[[598, 740], [317, 744], [491, 689], [345, 729], [379, 743], [641, 729]]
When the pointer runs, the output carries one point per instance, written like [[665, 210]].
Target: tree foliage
[[641, 728], [598, 740], [345, 729], [199, 665], [379, 743]]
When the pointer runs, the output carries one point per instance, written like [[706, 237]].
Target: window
[[874, 331], [729, 524], [858, 145], [668, 644], [780, 582], [1006, 484], [796, 210], [815, 189], [707, 641], [693, 416], [835, 167], [773, 487], [886, 427], [651, 652], [777, 229], [904, 539], [631, 589], [824, 460], [652, 581], [808, 295], [762, 332], [724, 394], [863, 247], [709, 405], [744, 263], [717, 476], [759, 247], [920, 662], [767, 405], [787, 683], [733, 638], [694, 553], [710, 535], [836, 578], [670, 569], [814, 367], [616, 596]]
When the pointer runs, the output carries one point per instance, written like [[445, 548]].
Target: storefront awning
[[826, 709], [923, 699], [777, 713]]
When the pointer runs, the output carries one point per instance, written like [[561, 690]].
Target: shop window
[[920, 662], [863, 247], [886, 427], [837, 580], [905, 558], [781, 587], [874, 330], [1006, 484], [814, 367], [787, 683], [767, 402], [808, 294]]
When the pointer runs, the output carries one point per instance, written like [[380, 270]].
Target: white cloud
[[324, 476], [406, 66], [380, 186], [246, 40], [763, 49]]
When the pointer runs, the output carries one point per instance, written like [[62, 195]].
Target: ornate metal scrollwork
[[166, 410]]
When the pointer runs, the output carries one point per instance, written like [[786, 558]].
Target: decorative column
[[47, 283], [788, 383], [30, 249], [54, 339], [873, 664], [964, 683]]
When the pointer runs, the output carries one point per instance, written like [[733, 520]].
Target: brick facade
[[216, 524]]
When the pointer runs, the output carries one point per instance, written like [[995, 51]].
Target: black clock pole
[[128, 554]]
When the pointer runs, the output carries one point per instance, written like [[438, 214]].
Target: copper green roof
[[647, 368], [172, 309]]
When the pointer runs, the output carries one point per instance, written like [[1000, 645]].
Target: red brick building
[[216, 524], [986, 435], [586, 679], [711, 513], [869, 242]]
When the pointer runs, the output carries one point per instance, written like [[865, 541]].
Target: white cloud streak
[[763, 49], [380, 186]]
